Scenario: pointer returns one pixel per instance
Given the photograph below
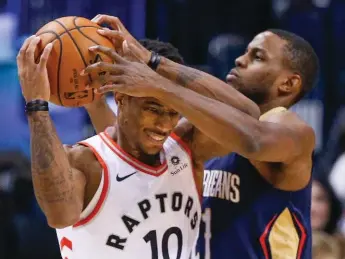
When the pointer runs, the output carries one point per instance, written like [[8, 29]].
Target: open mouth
[[158, 138]]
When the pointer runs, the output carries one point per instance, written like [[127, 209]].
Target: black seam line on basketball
[[68, 30], [76, 45], [80, 31], [59, 62], [58, 37]]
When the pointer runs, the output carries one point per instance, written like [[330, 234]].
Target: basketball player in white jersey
[[133, 190]]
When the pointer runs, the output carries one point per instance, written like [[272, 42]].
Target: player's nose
[[164, 124], [241, 61]]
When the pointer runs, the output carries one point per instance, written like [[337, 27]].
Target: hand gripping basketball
[[127, 77], [118, 34], [33, 77]]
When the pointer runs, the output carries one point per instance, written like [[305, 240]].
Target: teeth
[[156, 136]]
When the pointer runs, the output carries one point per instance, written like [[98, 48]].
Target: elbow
[[63, 221], [252, 143], [252, 147]]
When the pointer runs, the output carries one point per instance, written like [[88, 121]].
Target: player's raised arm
[[101, 114], [59, 188]]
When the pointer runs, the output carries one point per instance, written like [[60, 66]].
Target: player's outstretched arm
[[231, 128], [207, 85], [278, 137], [185, 76], [100, 114], [58, 187]]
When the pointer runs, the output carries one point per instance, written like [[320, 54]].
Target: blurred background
[[209, 35]]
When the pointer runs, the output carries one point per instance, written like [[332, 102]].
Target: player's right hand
[[33, 77], [118, 34]]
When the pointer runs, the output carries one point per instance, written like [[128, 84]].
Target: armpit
[[82, 158]]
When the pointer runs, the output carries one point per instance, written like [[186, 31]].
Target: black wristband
[[154, 61], [36, 105]]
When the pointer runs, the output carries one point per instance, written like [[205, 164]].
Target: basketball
[[71, 38]]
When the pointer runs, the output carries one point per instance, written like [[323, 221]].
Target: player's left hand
[[127, 77], [118, 34]]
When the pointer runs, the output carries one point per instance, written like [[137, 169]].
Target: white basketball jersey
[[138, 211]]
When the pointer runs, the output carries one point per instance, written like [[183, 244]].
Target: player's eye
[[258, 57], [153, 110], [173, 114]]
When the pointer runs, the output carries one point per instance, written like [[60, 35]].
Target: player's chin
[[235, 83], [153, 144], [150, 149]]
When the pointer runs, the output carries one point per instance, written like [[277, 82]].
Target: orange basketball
[[71, 38]]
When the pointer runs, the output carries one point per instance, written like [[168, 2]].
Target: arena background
[[209, 35]]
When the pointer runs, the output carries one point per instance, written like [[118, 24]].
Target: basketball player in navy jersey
[[257, 197], [257, 204]]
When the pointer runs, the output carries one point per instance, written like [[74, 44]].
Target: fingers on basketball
[[105, 67], [110, 53], [115, 36], [45, 55], [24, 47], [30, 51], [113, 21]]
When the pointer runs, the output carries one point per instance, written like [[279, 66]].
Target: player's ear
[[291, 84]]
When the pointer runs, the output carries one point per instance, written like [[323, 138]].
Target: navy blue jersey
[[244, 216]]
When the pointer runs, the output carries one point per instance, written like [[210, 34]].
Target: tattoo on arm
[[207, 85], [194, 79], [186, 76], [51, 172]]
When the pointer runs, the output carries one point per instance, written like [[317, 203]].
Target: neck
[[130, 148]]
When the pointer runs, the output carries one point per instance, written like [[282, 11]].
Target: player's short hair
[[164, 49], [301, 58]]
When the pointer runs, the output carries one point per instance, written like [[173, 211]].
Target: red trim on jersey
[[154, 171], [105, 187], [263, 238], [65, 242], [303, 236], [183, 144], [185, 147]]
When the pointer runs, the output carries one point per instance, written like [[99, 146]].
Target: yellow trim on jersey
[[283, 238], [274, 110]]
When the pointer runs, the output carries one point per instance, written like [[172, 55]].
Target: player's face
[[258, 69], [148, 123], [320, 208]]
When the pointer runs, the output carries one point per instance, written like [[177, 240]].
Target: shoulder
[[294, 125]]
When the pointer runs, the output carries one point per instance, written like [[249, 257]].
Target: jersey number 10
[[151, 238]]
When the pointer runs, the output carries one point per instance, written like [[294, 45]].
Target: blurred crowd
[[210, 35]]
